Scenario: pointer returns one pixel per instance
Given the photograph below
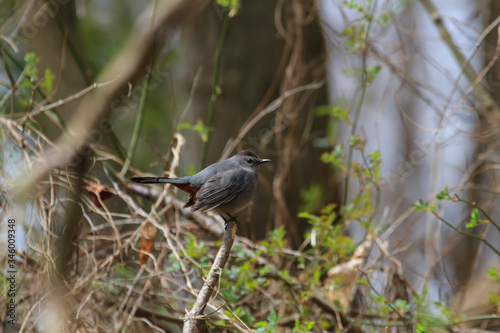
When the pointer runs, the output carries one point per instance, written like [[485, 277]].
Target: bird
[[224, 187]]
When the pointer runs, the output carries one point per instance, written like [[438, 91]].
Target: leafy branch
[[474, 218]]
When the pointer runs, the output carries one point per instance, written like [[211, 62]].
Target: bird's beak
[[264, 160]]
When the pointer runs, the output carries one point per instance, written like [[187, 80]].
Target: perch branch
[[194, 319]]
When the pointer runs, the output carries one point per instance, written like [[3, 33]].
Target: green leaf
[[184, 125], [271, 325], [356, 142], [312, 198], [31, 66], [443, 194], [233, 6], [474, 214], [202, 130], [421, 205], [372, 73], [317, 276], [334, 158], [48, 81], [475, 219], [335, 111], [420, 328], [495, 299], [362, 281], [493, 273], [302, 328], [471, 224], [199, 128], [192, 170]]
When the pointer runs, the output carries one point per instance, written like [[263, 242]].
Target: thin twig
[[60, 102], [473, 204], [357, 110], [460, 231]]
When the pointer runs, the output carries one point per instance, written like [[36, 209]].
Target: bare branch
[[194, 321]]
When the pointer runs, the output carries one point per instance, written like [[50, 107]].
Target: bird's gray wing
[[219, 189]]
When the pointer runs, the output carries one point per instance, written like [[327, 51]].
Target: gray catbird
[[225, 187]]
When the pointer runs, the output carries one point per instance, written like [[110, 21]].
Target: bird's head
[[247, 158]]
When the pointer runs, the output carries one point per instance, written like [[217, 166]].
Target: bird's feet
[[230, 219]]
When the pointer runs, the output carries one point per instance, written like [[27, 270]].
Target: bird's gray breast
[[244, 181]]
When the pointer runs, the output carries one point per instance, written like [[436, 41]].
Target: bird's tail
[[180, 182], [154, 180]]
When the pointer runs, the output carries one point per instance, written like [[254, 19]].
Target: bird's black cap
[[248, 153], [251, 154]]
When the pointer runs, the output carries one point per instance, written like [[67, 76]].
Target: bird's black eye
[[248, 160]]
